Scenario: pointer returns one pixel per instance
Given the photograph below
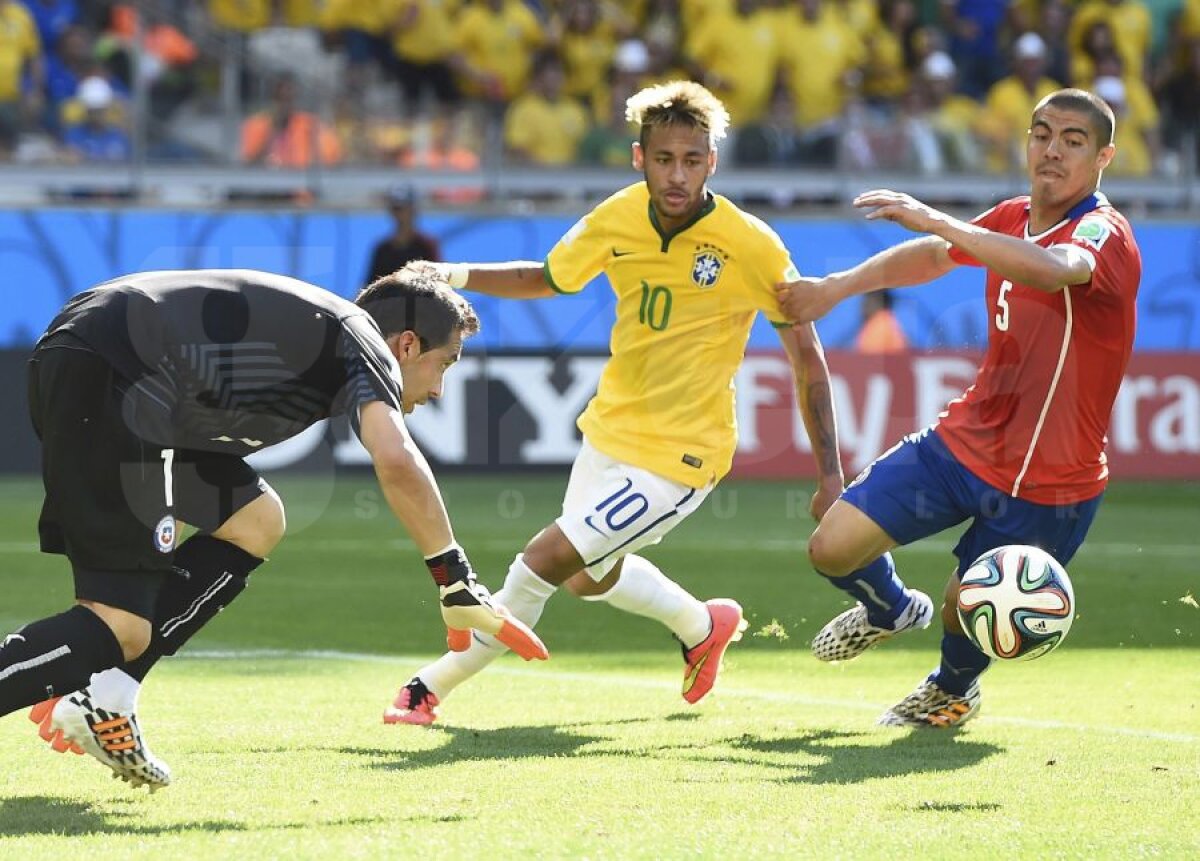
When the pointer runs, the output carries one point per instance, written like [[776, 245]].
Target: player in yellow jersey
[[690, 271]]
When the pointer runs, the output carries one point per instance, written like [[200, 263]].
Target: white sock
[[644, 590], [115, 690], [525, 595]]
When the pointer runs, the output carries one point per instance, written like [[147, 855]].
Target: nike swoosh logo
[[12, 638], [616, 253], [588, 521], [695, 673]]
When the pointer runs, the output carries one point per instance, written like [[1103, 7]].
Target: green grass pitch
[[271, 720]]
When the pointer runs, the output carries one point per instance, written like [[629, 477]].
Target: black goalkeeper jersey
[[231, 360]]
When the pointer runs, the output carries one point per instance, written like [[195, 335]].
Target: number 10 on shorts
[[623, 508]]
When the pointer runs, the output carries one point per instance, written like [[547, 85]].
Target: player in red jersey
[[1021, 453]]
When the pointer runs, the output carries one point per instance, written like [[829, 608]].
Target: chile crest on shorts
[[164, 534]]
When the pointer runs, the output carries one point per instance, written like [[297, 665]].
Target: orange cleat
[[702, 662]]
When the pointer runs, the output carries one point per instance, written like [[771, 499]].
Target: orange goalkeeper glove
[[466, 604]]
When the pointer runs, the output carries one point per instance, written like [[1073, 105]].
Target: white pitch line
[[649, 684]]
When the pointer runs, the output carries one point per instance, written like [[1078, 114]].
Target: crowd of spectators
[[923, 85]]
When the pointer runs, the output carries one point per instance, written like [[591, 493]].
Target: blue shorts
[[918, 488]]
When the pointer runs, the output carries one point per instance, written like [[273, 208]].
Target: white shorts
[[611, 508]]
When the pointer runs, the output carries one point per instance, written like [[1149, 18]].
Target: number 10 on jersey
[[655, 310]]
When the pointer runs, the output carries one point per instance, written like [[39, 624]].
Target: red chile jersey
[[1033, 424]]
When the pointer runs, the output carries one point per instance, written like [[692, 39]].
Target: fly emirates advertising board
[[516, 411]]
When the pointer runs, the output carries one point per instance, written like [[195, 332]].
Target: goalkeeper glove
[[466, 604]]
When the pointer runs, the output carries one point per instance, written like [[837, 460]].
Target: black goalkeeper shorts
[[113, 500]]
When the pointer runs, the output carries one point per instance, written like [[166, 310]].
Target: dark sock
[[879, 589], [55, 656], [962, 663], [209, 574]]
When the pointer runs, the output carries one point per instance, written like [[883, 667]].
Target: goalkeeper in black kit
[[147, 393]]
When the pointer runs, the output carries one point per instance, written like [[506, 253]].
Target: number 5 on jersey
[[1002, 306]]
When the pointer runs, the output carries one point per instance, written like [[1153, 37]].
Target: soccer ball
[[1016, 602]]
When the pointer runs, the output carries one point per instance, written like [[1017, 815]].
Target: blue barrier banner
[[48, 255]]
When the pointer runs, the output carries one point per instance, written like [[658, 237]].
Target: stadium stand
[[447, 88]]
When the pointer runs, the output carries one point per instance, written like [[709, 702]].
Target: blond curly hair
[[677, 103]]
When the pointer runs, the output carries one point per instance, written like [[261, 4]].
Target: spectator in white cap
[[944, 136], [1010, 103], [97, 138], [609, 140]]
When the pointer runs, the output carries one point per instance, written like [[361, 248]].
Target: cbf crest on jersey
[[707, 264]]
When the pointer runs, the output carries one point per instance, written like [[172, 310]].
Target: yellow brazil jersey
[[685, 304]]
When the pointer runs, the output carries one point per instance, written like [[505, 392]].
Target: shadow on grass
[[826, 756], [837, 759], [42, 814], [503, 743]]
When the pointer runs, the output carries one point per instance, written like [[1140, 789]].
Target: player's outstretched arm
[[917, 261], [519, 279], [1046, 269], [413, 495], [815, 399]]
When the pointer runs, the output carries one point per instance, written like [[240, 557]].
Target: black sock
[[55, 656], [209, 574]]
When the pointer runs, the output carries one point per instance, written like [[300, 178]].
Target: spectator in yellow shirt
[[20, 51], [1137, 131], [885, 75], [587, 41], [423, 45], [1010, 103], [1097, 41], [735, 54], [544, 126], [1130, 23], [495, 40], [822, 59]]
